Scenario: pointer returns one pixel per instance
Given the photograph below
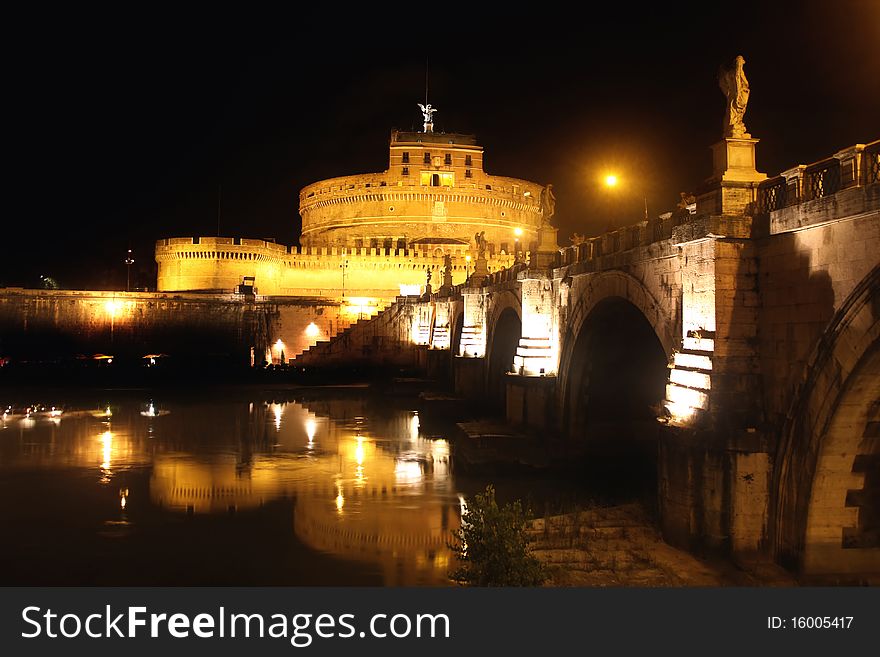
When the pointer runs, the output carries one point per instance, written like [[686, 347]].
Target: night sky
[[120, 129]]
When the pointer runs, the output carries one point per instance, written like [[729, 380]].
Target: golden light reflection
[[407, 472], [340, 500], [414, 426], [123, 497], [107, 455], [278, 411], [311, 430], [440, 455], [359, 451]]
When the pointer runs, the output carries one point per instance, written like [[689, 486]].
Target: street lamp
[[611, 181], [343, 267], [129, 261], [517, 233]]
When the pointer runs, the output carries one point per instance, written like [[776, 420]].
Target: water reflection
[[367, 487]]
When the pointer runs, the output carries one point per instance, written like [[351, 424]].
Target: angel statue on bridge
[[548, 204], [480, 239], [735, 87]]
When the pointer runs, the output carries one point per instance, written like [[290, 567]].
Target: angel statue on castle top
[[428, 115]]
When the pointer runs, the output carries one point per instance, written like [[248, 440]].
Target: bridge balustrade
[[851, 167], [871, 160], [822, 179], [774, 194]]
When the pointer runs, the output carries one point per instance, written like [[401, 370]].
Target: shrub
[[492, 546]]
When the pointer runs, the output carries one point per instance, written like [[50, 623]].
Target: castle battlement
[[376, 235], [219, 264]]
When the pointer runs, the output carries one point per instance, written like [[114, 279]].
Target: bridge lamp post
[[467, 267], [517, 233], [129, 261], [611, 181]]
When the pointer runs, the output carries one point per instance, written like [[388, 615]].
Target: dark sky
[[121, 128]]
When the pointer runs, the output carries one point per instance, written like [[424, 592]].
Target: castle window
[[359, 243], [448, 160], [468, 162], [467, 173], [488, 186], [387, 244], [405, 171], [427, 157], [374, 243], [401, 243], [405, 157], [435, 180]]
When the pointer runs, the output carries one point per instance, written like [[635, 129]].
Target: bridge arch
[[457, 326], [613, 380], [505, 332], [603, 291], [824, 506]]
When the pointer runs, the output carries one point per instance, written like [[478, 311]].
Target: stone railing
[[855, 166], [625, 238], [495, 190]]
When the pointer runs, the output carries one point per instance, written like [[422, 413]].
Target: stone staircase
[[622, 546], [379, 340]]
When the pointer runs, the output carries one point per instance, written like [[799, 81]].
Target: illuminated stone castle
[[368, 238]]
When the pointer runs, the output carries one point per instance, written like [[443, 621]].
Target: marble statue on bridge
[[735, 87], [548, 204]]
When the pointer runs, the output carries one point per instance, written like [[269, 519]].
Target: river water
[[241, 487]]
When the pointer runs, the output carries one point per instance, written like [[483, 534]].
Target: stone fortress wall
[[217, 264], [366, 236]]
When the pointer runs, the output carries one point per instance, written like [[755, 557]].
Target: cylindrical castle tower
[[375, 235], [435, 192]]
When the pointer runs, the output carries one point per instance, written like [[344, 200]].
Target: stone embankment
[[621, 546]]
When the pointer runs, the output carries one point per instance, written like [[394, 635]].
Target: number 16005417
[[809, 623]]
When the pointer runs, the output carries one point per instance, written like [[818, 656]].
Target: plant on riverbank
[[492, 545]]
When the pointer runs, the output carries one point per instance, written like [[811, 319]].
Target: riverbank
[[621, 546]]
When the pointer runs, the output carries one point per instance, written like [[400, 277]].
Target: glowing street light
[[129, 261], [611, 181]]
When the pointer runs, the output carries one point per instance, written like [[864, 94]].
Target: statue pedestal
[[733, 159], [734, 178], [481, 271], [548, 248]]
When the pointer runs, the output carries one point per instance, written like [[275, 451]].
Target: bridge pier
[[531, 401], [469, 377], [711, 497], [435, 363]]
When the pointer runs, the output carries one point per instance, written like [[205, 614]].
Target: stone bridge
[[747, 323]]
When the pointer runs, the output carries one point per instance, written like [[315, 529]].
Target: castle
[[367, 239]]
